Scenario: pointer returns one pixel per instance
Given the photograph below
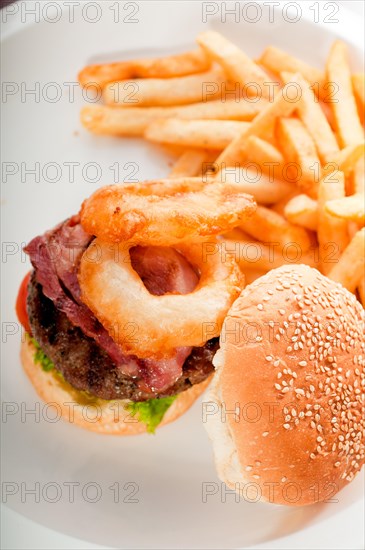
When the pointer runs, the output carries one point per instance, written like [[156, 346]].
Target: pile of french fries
[[287, 133]]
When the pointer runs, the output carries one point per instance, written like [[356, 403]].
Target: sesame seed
[[286, 426]]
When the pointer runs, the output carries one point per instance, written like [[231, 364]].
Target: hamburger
[[72, 360], [285, 411]]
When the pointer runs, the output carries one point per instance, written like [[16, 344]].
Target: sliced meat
[[69, 241], [55, 259], [163, 269], [86, 366]]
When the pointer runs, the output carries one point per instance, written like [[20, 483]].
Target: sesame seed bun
[[107, 417], [286, 411]]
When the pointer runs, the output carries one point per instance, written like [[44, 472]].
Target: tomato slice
[[21, 304]]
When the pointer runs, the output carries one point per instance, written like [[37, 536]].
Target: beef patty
[[86, 366]]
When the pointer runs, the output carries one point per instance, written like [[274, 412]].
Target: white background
[[21, 533]]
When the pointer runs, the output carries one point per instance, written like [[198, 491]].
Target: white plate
[[167, 471]]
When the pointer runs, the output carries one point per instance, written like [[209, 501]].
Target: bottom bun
[[97, 415]]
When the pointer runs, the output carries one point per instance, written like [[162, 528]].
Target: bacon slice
[[55, 257], [163, 269]]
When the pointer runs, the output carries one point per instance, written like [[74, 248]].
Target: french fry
[[348, 208], [358, 86], [210, 134], [254, 254], [269, 227], [349, 271], [332, 232], [352, 228], [358, 177], [314, 119], [283, 105], [327, 111], [183, 64], [279, 206], [262, 187], [348, 126], [298, 148], [165, 91], [346, 159], [190, 163], [302, 210], [237, 65], [102, 119], [263, 153], [349, 161], [358, 83], [277, 61], [215, 134]]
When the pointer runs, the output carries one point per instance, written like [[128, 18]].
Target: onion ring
[[118, 298], [165, 212]]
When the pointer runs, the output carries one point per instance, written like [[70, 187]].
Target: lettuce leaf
[[151, 412], [41, 358]]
